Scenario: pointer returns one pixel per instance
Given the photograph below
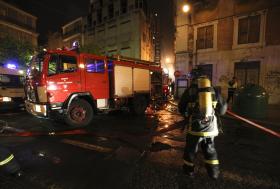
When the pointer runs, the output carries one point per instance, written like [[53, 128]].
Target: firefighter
[[200, 104], [8, 163]]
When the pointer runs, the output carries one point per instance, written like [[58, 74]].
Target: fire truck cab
[[75, 86]]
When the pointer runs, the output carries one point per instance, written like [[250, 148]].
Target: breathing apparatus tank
[[205, 98]]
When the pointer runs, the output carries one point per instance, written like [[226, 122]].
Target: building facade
[[122, 27], [55, 40], [17, 24], [231, 38], [74, 31]]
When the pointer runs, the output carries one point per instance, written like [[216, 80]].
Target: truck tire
[[139, 105], [79, 114]]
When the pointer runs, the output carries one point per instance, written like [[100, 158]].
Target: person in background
[[172, 87], [232, 86]]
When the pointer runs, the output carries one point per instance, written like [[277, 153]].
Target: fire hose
[[274, 133], [22, 133]]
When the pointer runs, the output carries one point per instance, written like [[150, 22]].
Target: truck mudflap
[[39, 110]]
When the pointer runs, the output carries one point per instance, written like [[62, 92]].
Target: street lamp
[[186, 8], [167, 60], [166, 71]]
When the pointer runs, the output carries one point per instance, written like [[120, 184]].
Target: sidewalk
[[273, 115]]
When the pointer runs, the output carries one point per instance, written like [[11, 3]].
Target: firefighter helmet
[[196, 73]]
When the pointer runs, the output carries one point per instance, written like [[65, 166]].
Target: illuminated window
[[68, 64], [205, 36], [95, 66], [249, 29]]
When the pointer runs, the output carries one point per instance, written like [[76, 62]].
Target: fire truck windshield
[[14, 81]]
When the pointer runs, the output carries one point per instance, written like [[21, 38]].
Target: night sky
[[52, 14]]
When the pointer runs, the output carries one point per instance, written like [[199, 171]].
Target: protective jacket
[[201, 104]]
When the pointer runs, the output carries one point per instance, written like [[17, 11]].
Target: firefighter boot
[[213, 172], [8, 163]]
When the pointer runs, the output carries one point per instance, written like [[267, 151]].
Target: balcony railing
[[72, 32], [18, 23]]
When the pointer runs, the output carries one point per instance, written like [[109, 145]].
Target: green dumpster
[[251, 101]]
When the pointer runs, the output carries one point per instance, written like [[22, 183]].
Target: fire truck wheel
[[139, 105], [80, 113]]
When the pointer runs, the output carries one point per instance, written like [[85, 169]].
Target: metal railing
[[18, 22]]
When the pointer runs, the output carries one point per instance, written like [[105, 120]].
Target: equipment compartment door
[[96, 77]]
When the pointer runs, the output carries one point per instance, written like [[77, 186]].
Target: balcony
[[72, 32], [18, 22]]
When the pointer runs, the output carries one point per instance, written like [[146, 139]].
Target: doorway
[[247, 72], [207, 70]]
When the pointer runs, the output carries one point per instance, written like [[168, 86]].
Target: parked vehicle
[[11, 88], [76, 86]]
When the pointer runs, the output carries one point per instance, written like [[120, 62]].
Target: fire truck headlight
[[82, 66], [5, 99], [52, 87], [37, 108]]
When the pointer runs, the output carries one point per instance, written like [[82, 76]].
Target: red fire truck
[[76, 86]]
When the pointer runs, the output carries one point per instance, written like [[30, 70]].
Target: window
[[95, 66], [2, 12], [110, 66], [99, 16], [101, 3], [68, 64], [29, 21], [4, 79], [205, 37], [207, 69], [249, 29], [111, 10], [247, 72], [136, 4], [53, 65], [62, 64], [11, 80], [123, 6]]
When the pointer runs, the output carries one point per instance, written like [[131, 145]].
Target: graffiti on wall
[[272, 80]]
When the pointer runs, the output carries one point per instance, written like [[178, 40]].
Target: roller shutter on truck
[[123, 81], [130, 80], [141, 80]]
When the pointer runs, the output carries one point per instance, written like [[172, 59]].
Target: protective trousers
[[209, 152], [8, 162]]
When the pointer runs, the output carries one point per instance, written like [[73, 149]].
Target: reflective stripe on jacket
[[7, 160]]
